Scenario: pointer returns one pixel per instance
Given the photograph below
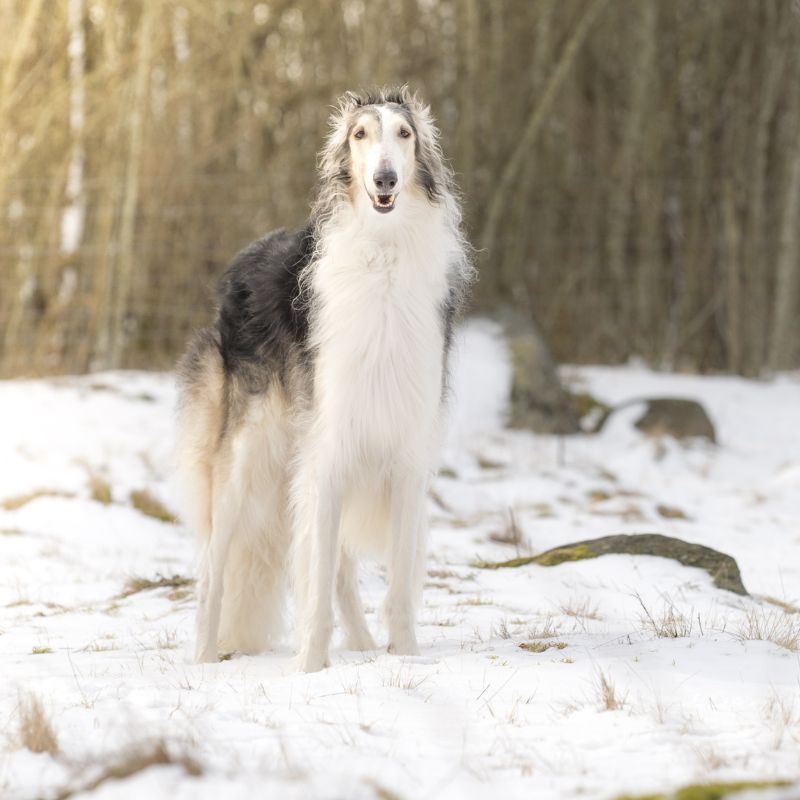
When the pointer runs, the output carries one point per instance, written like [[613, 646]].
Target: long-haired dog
[[310, 411]]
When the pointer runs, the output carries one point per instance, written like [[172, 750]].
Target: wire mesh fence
[[636, 186]]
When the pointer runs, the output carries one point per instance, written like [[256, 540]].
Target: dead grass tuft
[[607, 693], [151, 506], [782, 716], [546, 629], [581, 610], [442, 573], [100, 490], [511, 534], [789, 608], [671, 512], [770, 625], [404, 679], [133, 761], [139, 584], [475, 600], [711, 759], [20, 500], [35, 729], [669, 623], [541, 646], [381, 792]]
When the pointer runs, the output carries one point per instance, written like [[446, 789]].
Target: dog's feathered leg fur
[[357, 632], [408, 512], [225, 516], [317, 504]]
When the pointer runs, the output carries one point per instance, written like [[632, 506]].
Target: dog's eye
[[359, 134], [405, 133]]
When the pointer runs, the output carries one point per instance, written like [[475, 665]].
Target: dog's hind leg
[[357, 633], [255, 579], [256, 565], [225, 508]]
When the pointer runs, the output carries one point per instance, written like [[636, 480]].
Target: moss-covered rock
[[709, 791], [585, 404], [722, 568]]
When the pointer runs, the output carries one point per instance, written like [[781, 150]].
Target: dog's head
[[383, 152]]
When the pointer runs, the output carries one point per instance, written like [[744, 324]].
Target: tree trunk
[[118, 329], [784, 347], [510, 172]]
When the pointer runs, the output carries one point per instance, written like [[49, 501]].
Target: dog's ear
[[334, 159], [434, 174], [349, 102], [418, 107]]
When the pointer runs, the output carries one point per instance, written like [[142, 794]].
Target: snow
[[474, 715]]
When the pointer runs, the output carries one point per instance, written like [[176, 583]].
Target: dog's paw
[[360, 641], [205, 655], [404, 646], [311, 662]]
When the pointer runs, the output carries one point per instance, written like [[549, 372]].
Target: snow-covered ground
[[475, 715]]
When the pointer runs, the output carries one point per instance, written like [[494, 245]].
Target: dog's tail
[[200, 423]]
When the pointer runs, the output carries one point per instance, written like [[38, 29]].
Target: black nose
[[385, 180]]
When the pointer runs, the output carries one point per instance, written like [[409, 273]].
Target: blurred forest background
[[630, 168]]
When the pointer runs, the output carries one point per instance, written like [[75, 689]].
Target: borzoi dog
[[310, 411]]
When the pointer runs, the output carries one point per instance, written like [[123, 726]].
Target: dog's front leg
[[318, 504], [408, 540], [353, 619]]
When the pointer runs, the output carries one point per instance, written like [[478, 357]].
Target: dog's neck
[[415, 232]]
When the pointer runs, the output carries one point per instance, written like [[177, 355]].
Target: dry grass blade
[[784, 605], [139, 584], [35, 729], [20, 500]]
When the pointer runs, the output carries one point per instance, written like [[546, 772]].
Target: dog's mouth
[[383, 203]]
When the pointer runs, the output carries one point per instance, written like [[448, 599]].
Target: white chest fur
[[379, 337]]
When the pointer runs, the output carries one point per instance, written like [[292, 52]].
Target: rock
[[670, 416], [538, 401], [673, 416], [722, 568]]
